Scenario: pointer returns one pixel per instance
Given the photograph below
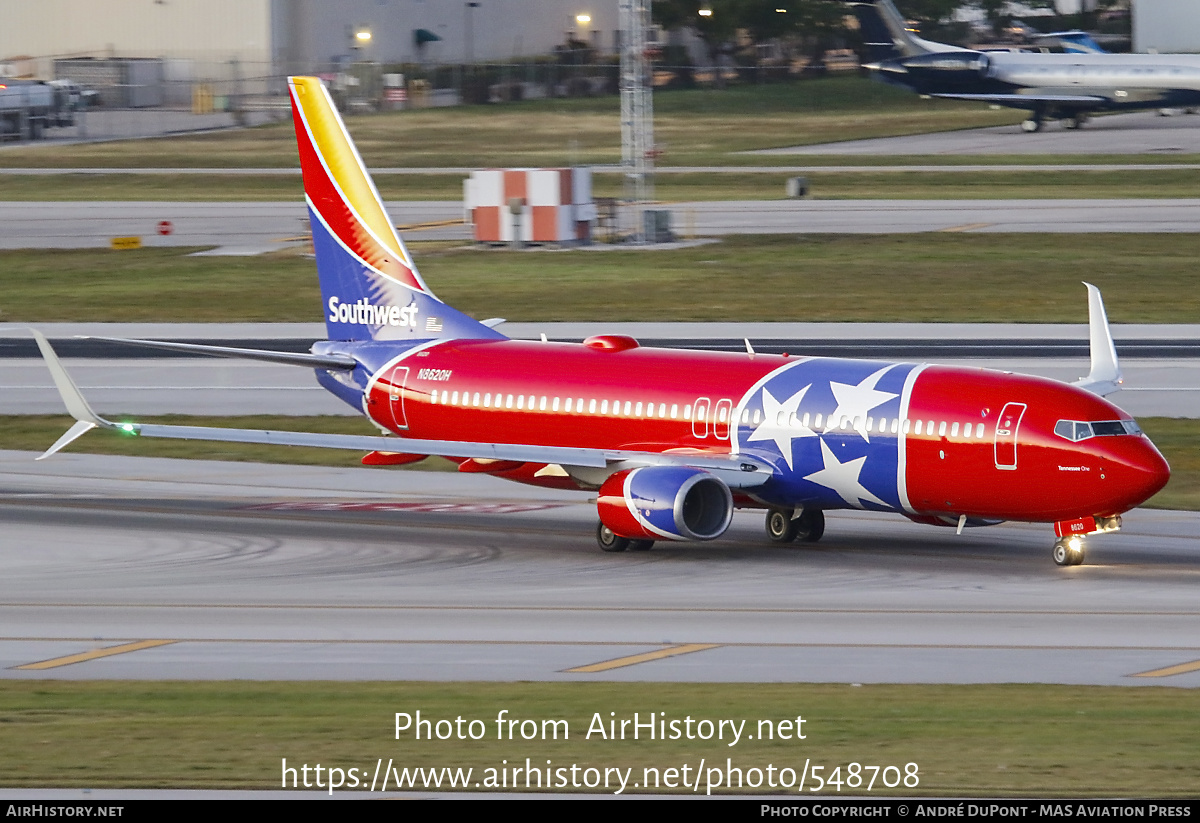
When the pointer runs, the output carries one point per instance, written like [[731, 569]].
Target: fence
[[134, 97]]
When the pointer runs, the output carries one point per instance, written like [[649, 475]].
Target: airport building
[[299, 35], [1166, 26]]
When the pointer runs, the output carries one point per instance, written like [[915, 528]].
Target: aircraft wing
[[1023, 99], [342, 362], [738, 471]]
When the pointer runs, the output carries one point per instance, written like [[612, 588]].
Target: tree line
[[747, 31]]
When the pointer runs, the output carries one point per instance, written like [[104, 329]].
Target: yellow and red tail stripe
[[339, 189]]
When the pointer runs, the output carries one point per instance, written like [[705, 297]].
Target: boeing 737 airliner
[[674, 441]]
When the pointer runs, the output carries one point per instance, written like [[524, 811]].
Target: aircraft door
[[722, 412], [700, 417], [398, 380], [1006, 435]]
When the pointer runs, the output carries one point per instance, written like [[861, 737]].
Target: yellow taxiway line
[[1182, 668], [94, 654], [634, 659], [966, 227]]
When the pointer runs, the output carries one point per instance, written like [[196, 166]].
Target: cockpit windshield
[[1076, 430]]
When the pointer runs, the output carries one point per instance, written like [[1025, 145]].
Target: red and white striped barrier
[[532, 205]]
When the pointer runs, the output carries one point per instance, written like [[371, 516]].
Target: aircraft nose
[[1146, 471]]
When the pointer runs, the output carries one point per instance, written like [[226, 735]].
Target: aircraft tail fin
[[875, 34], [370, 286], [887, 36], [1074, 42]]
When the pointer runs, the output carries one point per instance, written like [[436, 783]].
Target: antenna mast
[[637, 110]]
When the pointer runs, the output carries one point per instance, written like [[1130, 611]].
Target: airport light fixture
[[705, 12], [362, 37], [469, 30]]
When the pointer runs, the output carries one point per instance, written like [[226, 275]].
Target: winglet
[[86, 419], [1105, 376]]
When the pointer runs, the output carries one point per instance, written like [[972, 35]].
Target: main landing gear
[[611, 542], [1068, 551], [1037, 119], [784, 526]]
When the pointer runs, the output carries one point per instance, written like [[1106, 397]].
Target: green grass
[[924, 277], [692, 127], [883, 185], [1178, 440], [155, 284], [998, 740]]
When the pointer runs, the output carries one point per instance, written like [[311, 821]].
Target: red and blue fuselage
[[939, 444], [919, 440]]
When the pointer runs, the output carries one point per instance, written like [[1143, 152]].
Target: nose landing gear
[[1068, 551]]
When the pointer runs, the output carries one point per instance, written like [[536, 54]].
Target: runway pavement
[[236, 228], [155, 568], [1142, 132], [249, 228]]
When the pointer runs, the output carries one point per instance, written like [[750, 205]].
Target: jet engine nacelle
[[964, 67], [665, 502]]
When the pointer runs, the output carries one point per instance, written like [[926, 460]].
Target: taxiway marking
[[1182, 668], [82, 657], [966, 227], [635, 659]]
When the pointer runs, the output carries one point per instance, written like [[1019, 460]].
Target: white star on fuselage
[[776, 424], [843, 478], [855, 402]]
